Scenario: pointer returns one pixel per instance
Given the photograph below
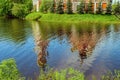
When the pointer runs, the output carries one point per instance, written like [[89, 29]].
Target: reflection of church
[[75, 3], [40, 46], [81, 41], [84, 42]]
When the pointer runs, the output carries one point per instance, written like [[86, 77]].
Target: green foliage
[[17, 8], [81, 7], [65, 74], [9, 71], [109, 8], [52, 8], [33, 16], [112, 76], [5, 7], [20, 10], [89, 7], [69, 7], [117, 8], [99, 11], [29, 5], [45, 5], [60, 7]]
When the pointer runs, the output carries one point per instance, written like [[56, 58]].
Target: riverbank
[[74, 18], [9, 71]]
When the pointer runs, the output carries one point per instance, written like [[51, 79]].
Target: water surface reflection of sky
[[37, 45]]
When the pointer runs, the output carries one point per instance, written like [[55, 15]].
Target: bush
[[9, 71], [5, 7], [99, 11], [117, 8], [20, 10], [89, 7], [112, 76], [52, 8], [81, 7], [109, 8], [69, 7], [45, 5], [29, 5], [60, 7], [65, 74]]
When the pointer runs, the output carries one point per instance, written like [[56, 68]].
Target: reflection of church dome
[[40, 46]]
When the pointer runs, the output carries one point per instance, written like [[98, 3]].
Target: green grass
[[75, 18], [33, 16]]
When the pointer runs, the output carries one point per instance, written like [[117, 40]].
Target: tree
[[69, 7], [29, 4], [117, 8], [109, 8], [99, 11], [81, 7], [89, 7], [5, 7], [45, 5], [19, 10], [52, 8], [60, 7]]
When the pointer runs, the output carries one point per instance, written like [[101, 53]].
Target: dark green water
[[37, 45]]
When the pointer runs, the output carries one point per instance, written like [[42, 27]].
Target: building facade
[[75, 3]]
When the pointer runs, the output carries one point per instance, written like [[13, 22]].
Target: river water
[[37, 45]]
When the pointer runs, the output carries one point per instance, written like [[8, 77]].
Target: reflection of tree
[[40, 45], [13, 29]]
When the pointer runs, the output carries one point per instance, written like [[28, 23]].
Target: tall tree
[[81, 7], [60, 7], [52, 8], [99, 11], [69, 7], [117, 8], [89, 7], [109, 8], [45, 5]]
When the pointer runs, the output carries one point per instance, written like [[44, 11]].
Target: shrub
[[69, 7], [117, 8], [45, 5], [5, 7], [109, 8], [89, 7], [52, 8], [9, 71], [81, 7], [112, 76], [60, 7], [20, 10], [65, 74], [99, 11]]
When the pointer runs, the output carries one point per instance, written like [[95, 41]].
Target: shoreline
[[73, 18]]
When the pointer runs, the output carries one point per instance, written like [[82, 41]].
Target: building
[[75, 3]]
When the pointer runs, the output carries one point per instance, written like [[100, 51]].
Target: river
[[37, 45]]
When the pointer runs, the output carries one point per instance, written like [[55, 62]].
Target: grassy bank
[[75, 18]]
